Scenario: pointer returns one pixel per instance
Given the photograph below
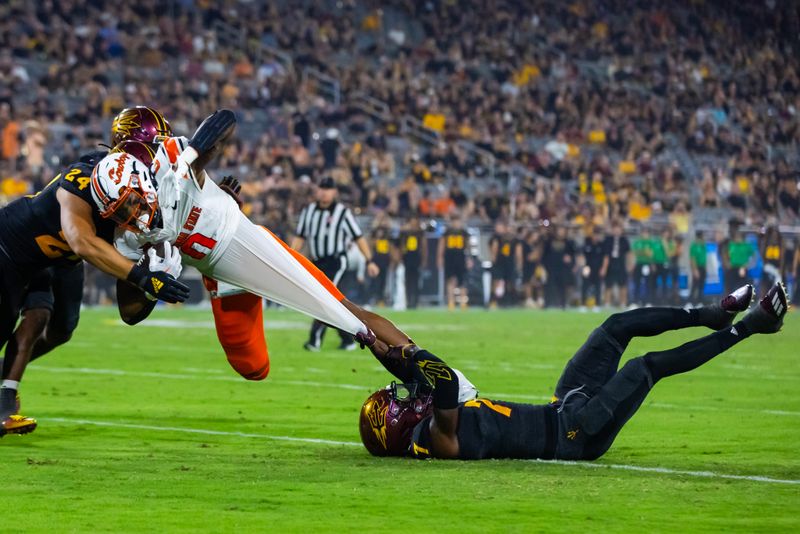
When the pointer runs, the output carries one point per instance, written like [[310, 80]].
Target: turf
[[737, 415]]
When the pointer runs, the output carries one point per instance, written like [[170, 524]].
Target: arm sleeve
[[441, 377], [352, 225]]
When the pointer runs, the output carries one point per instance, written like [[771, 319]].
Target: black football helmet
[[388, 418]]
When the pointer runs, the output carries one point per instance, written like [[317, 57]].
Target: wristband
[[189, 154], [138, 274]]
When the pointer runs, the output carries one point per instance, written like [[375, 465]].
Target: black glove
[[159, 284], [231, 185]]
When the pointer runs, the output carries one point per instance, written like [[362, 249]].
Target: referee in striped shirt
[[328, 227]]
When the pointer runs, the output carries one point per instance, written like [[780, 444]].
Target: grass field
[[147, 429]]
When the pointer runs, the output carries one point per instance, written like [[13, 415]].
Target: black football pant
[[334, 268], [412, 285], [60, 291], [597, 399], [698, 286]]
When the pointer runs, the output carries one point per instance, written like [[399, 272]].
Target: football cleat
[[767, 317], [722, 315], [739, 300], [17, 424], [310, 347]]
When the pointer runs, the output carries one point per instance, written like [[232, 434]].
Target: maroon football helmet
[[139, 123], [144, 152], [388, 418]]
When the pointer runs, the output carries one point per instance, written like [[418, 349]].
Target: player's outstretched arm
[[207, 142], [81, 236]]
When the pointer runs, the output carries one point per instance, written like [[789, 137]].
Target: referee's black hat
[[327, 183]]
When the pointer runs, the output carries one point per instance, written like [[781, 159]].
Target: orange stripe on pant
[[311, 268]]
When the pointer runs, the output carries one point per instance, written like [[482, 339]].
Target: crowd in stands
[[542, 115]]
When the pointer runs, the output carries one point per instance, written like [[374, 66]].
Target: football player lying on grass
[[592, 402]]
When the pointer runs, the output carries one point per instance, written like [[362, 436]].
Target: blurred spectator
[[697, 257], [591, 280], [414, 255], [558, 259], [452, 260], [644, 276], [737, 254], [506, 257], [616, 250], [773, 255]]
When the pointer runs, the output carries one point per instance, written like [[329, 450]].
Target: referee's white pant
[[256, 260]]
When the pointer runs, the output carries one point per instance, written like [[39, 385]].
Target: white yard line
[[621, 467], [355, 387], [191, 376], [198, 431], [668, 471]]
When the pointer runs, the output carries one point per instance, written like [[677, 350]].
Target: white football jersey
[[199, 222]]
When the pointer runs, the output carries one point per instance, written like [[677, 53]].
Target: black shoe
[[725, 312], [309, 346], [767, 317], [739, 300]]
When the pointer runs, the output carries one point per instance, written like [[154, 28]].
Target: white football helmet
[[125, 192]]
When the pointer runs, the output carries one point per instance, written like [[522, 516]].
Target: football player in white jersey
[[205, 224]]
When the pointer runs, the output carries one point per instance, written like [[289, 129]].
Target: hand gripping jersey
[[200, 222]]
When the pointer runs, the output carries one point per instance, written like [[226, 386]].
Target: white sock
[[10, 384]]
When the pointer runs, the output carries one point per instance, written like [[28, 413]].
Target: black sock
[[695, 353]]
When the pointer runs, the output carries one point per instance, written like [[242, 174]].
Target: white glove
[[170, 263]]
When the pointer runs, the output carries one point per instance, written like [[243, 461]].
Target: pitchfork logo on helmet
[[123, 190], [388, 418], [139, 123]]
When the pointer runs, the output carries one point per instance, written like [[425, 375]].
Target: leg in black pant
[[604, 415], [334, 268], [648, 322], [597, 361]]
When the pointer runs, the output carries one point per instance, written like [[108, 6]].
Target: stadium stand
[[539, 115]]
